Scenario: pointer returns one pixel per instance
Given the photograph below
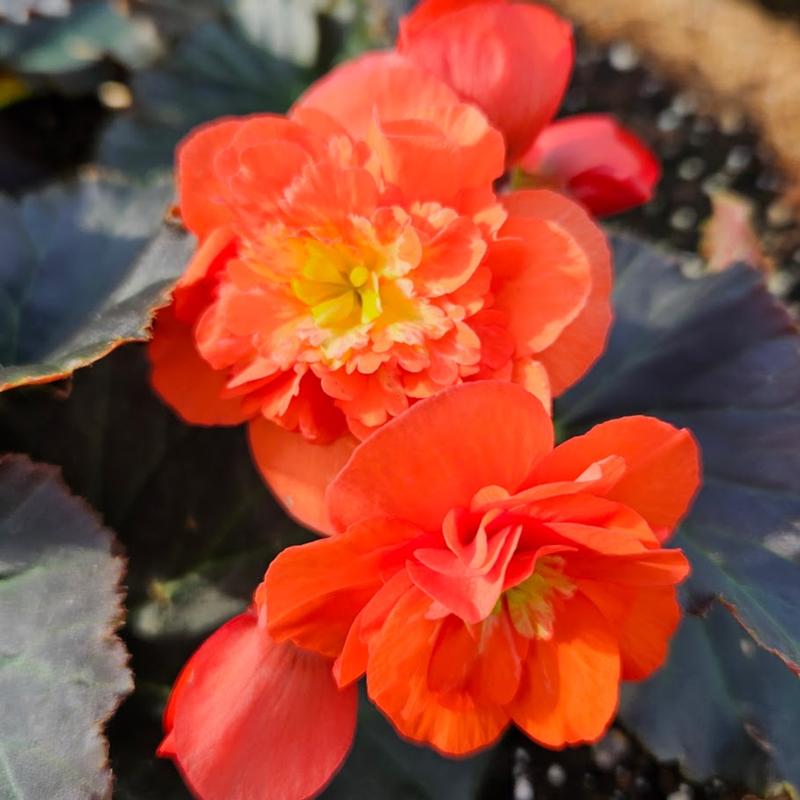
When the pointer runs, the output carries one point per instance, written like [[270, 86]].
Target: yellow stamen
[[334, 311], [359, 276], [530, 603]]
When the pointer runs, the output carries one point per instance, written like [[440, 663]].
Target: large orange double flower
[[477, 575], [349, 267]]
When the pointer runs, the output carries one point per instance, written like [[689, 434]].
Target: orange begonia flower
[[481, 576], [349, 267]]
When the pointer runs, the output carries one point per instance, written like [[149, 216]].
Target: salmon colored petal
[[352, 661], [298, 471], [533, 377], [484, 659], [439, 453], [254, 718], [663, 466], [584, 339], [184, 380], [513, 61], [497, 673], [645, 621], [316, 590], [469, 591], [549, 290], [383, 85], [652, 568], [436, 161], [451, 721], [570, 684], [595, 160], [193, 291], [199, 188], [429, 11]]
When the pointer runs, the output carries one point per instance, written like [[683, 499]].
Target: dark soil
[[698, 154], [616, 768]]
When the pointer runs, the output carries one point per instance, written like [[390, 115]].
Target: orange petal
[[645, 620], [512, 60], [429, 11], [662, 466], [451, 721], [193, 291], [649, 569], [549, 290], [352, 661], [184, 380], [298, 471], [316, 590], [199, 188], [570, 684], [381, 85], [254, 719], [437, 160], [580, 344], [439, 453]]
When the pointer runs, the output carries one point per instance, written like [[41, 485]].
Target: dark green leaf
[[78, 276], [92, 31], [720, 706], [198, 526], [62, 672], [383, 765], [720, 356], [214, 71]]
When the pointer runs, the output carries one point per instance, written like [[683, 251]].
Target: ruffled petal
[[582, 341], [184, 380], [439, 453], [570, 683], [645, 620], [550, 288], [512, 60], [199, 188], [316, 590], [436, 707], [252, 718], [437, 160], [662, 466], [382, 85]]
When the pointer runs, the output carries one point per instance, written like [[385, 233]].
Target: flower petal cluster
[[344, 273], [478, 576], [391, 284]]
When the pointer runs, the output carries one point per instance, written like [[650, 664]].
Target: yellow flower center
[[339, 293], [530, 603]]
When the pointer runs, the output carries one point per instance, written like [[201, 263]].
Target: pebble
[[690, 169], [623, 56], [739, 158], [683, 219], [611, 749], [556, 775]]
